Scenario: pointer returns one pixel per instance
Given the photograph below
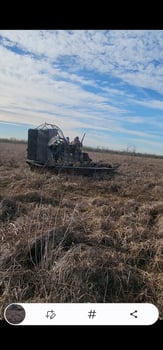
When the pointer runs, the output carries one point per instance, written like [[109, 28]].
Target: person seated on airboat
[[75, 148]]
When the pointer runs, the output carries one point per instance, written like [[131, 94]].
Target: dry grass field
[[78, 239]]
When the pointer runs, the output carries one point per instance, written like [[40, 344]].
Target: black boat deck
[[74, 169]]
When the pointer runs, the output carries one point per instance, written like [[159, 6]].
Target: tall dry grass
[[76, 239]]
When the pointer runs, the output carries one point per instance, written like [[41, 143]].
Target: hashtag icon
[[91, 313]]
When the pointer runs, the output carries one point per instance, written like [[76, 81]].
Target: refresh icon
[[50, 314]]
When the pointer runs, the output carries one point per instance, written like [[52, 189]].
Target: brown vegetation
[[75, 239]]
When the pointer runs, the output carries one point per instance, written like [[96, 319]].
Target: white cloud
[[154, 104], [128, 55], [44, 82]]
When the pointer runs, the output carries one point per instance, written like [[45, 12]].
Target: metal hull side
[[78, 170]]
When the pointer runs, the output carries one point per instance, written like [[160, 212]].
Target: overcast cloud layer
[[107, 83]]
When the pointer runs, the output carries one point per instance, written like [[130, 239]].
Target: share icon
[[133, 313]]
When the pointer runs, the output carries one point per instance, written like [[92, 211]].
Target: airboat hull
[[76, 170]]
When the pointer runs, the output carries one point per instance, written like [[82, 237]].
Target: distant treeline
[[125, 152], [92, 149], [12, 140]]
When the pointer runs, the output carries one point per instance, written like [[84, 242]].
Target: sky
[[107, 84]]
